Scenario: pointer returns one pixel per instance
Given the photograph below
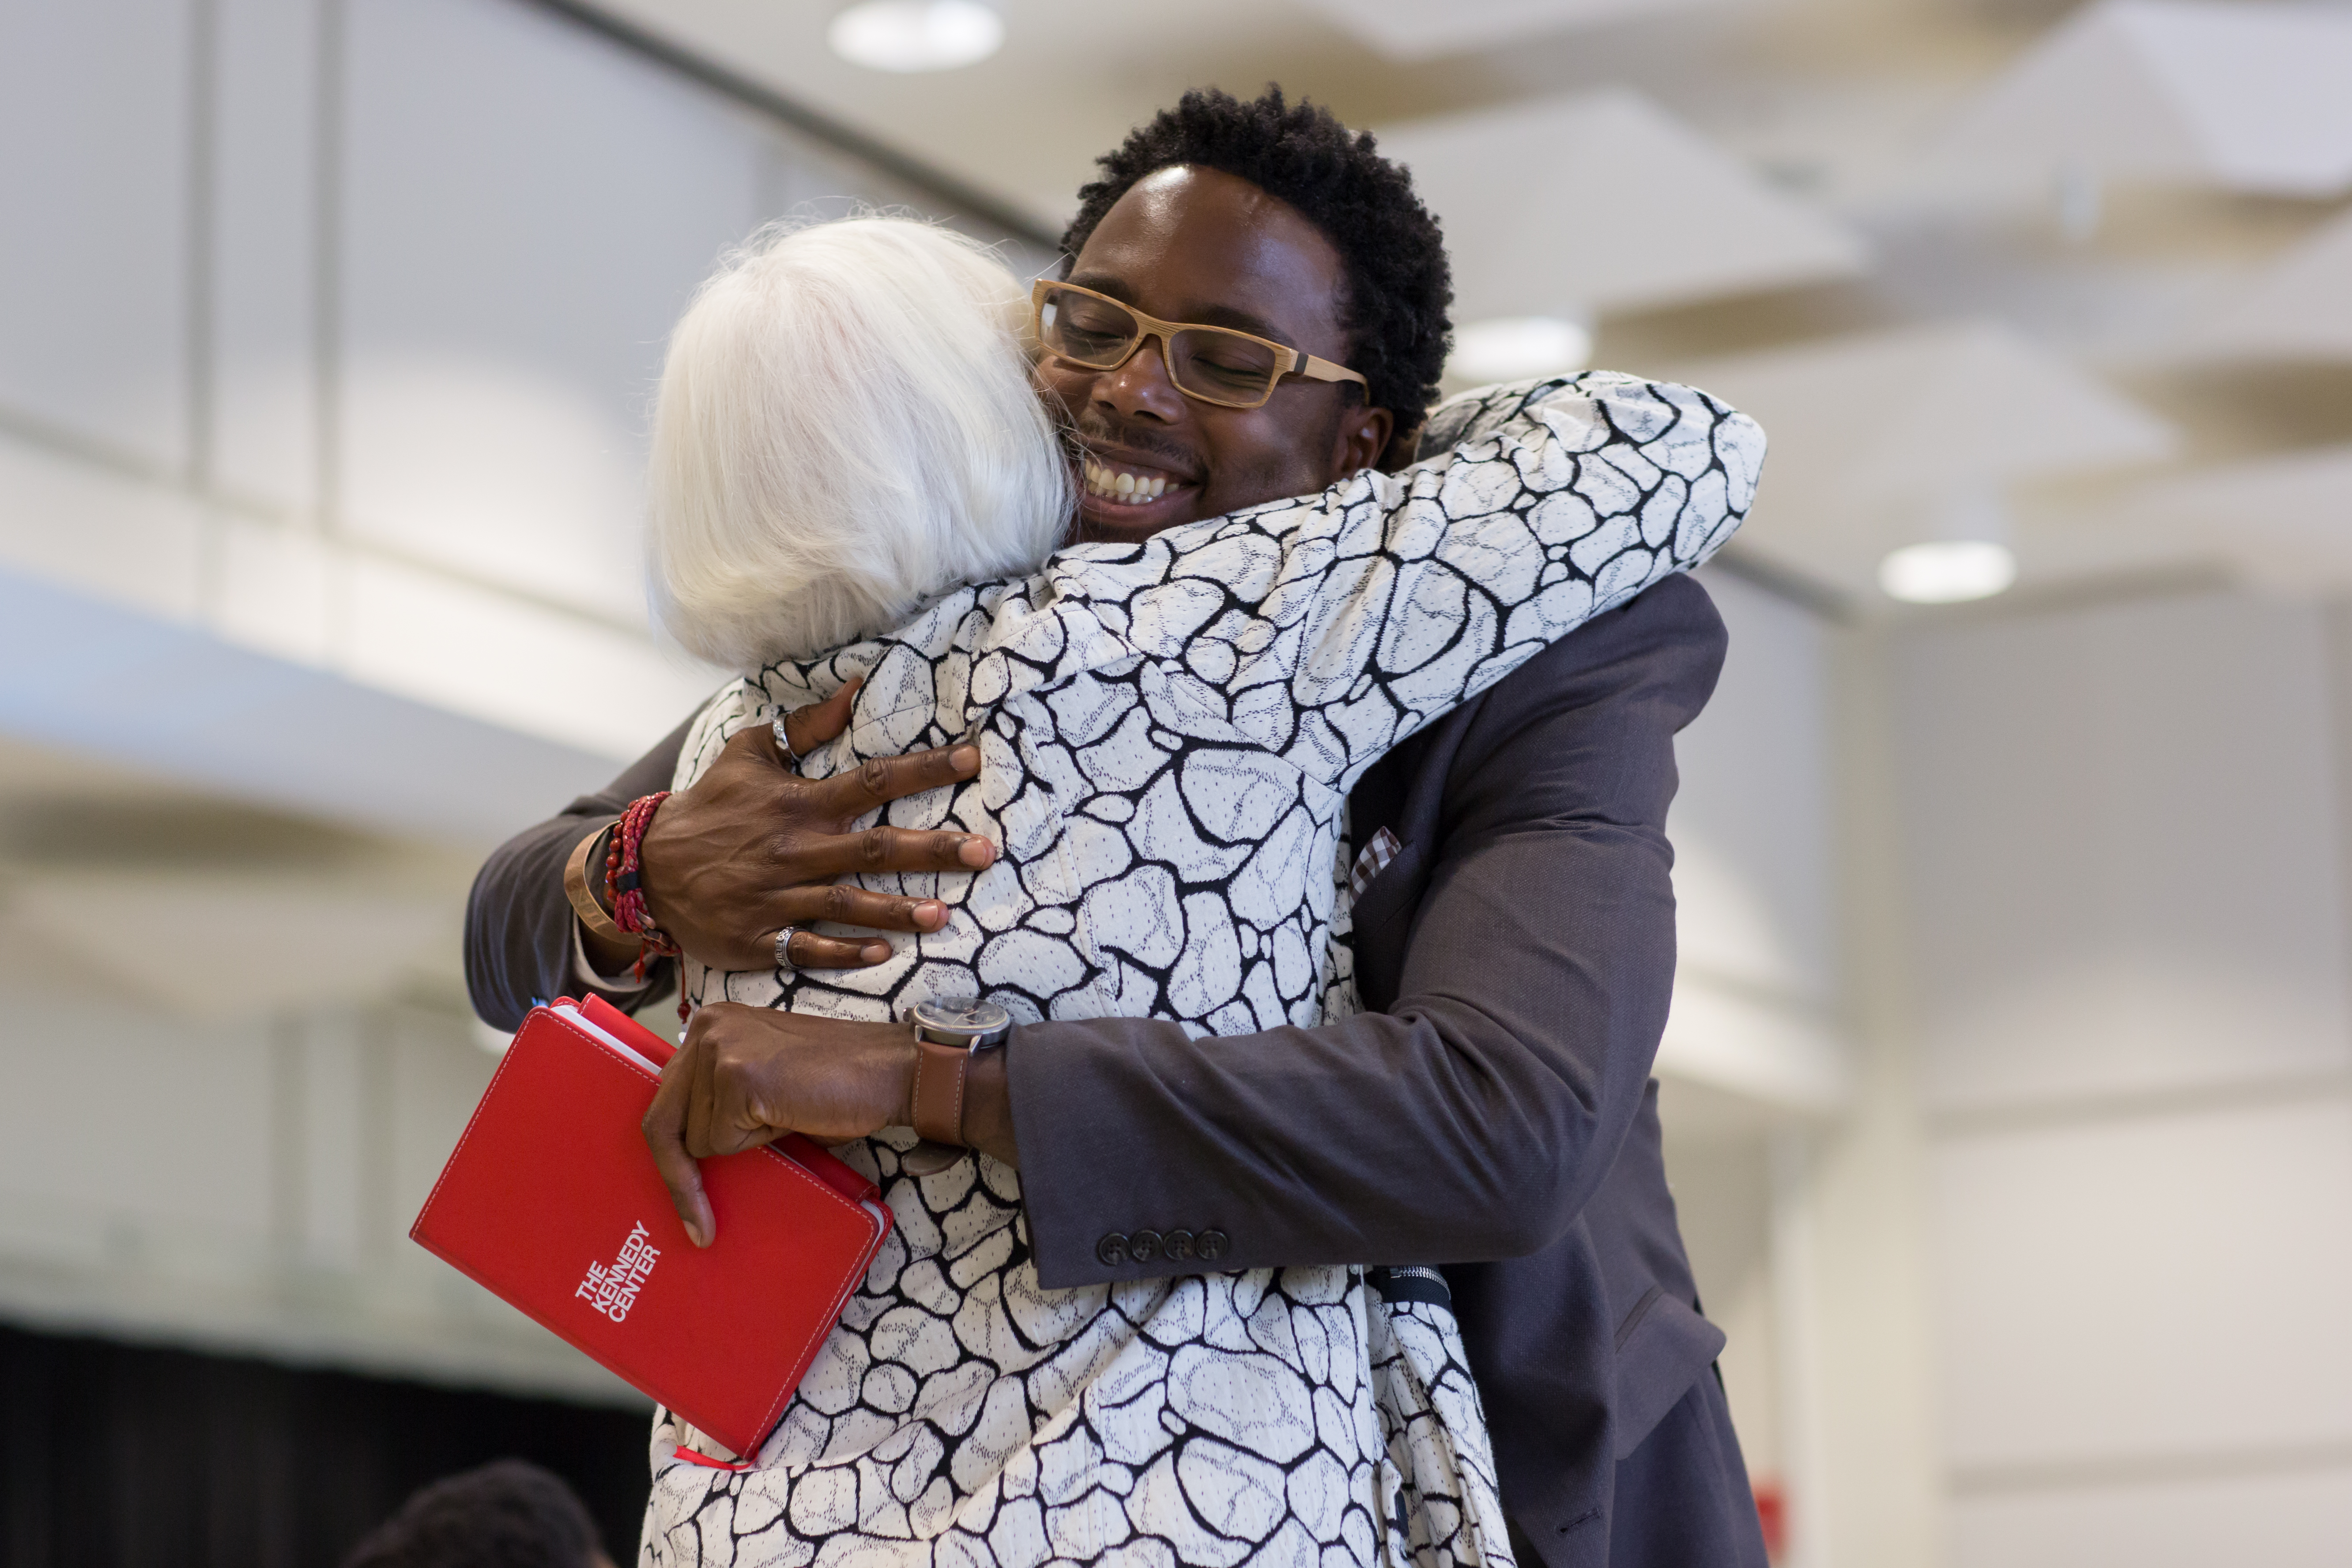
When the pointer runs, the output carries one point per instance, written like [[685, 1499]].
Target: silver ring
[[784, 744], [783, 946]]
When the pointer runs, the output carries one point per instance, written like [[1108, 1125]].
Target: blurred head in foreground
[[507, 1514]]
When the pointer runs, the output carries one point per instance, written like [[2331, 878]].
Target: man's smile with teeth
[[1122, 484]]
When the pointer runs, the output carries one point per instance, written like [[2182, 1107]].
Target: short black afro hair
[[507, 1514], [1397, 282]]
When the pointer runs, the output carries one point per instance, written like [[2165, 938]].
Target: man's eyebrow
[[1232, 316], [1102, 283], [1239, 321]]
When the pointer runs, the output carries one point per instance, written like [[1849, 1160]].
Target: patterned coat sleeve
[[1359, 616]]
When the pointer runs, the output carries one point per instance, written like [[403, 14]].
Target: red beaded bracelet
[[622, 887]]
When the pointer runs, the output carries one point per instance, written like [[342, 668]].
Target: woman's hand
[[751, 847]]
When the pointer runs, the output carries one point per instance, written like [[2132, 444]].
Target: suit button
[[1211, 1245], [1143, 1245], [1176, 1246], [1112, 1249]]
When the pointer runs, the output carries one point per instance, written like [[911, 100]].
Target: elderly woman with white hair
[[854, 480]]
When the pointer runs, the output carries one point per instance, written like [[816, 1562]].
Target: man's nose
[[1140, 389]]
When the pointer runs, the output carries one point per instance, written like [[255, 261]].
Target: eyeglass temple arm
[[1316, 369]]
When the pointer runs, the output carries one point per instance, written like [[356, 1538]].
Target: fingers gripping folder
[[552, 1201]]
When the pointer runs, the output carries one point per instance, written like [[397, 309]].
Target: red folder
[[552, 1201]]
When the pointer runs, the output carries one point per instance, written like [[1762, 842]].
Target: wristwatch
[[949, 1032]]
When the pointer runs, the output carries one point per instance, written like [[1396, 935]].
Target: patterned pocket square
[[1373, 860]]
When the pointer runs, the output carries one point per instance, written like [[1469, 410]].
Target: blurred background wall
[[2009, 1088]]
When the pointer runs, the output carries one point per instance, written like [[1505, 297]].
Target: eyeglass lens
[[1207, 362]]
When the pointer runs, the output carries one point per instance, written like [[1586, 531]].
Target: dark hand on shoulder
[[751, 847]]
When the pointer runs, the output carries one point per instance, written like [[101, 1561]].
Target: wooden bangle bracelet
[[584, 902]]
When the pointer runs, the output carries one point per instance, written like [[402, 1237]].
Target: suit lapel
[[1403, 793]]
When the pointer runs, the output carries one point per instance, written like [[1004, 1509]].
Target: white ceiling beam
[[273, 665]]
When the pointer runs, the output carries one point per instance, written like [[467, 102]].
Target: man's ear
[[1362, 436], [1403, 448]]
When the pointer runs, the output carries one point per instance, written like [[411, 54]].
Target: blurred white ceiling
[[1073, 77], [2283, 522], [2249, 97], [1417, 30], [2297, 308], [1515, 188], [1893, 437], [2007, 259]]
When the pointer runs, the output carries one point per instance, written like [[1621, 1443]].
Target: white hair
[[846, 429]]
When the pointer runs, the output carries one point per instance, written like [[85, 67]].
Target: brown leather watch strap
[[938, 1109]]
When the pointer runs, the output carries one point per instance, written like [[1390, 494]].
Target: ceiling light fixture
[[915, 34], [1947, 571], [1514, 348]]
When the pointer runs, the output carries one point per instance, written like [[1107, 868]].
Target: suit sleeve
[[1474, 1117], [518, 920]]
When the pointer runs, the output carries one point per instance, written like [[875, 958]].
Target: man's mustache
[[1141, 440]]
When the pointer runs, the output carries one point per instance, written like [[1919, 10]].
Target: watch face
[[962, 1015]]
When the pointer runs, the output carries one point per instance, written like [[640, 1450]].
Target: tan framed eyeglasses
[[1215, 365]]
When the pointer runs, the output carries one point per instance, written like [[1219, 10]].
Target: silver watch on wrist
[[967, 1023], [949, 1031]]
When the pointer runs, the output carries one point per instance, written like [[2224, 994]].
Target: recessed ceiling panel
[[1418, 30], [2298, 307], [2280, 520], [2250, 97], [1603, 202], [1873, 437]]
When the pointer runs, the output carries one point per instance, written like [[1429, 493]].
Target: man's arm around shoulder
[[1530, 975]]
